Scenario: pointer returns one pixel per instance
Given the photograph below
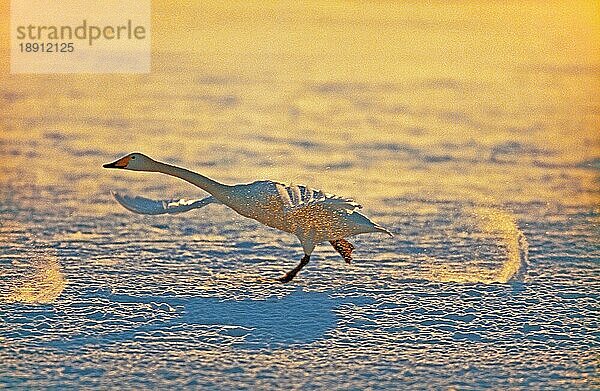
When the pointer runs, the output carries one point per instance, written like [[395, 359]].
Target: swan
[[312, 215]]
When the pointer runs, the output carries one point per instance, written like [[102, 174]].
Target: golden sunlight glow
[[505, 71]]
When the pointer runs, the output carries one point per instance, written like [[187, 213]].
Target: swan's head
[[134, 161]]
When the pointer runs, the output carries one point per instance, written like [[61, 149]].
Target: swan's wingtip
[[385, 231], [115, 194], [118, 196]]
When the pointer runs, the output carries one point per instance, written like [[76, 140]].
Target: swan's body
[[312, 215]]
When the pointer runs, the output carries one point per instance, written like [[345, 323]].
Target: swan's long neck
[[216, 189]]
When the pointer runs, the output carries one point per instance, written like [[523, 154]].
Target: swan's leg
[[289, 276], [343, 247]]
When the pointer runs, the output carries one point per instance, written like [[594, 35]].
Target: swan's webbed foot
[[289, 276], [343, 247]]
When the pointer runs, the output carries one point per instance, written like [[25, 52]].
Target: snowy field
[[477, 148]]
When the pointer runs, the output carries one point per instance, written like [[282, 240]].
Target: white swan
[[312, 215]]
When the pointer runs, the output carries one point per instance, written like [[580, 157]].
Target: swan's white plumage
[[312, 215]]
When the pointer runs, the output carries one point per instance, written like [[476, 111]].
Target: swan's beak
[[121, 163]]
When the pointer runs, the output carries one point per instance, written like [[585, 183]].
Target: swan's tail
[[156, 207]]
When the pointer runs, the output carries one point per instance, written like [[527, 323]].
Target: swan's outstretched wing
[[156, 207], [299, 196]]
